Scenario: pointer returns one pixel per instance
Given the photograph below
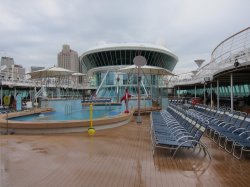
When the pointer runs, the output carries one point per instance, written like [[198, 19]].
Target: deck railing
[[234, 48]]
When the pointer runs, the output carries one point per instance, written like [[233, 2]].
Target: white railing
[[50, 84], [41, 93], [234, 48]]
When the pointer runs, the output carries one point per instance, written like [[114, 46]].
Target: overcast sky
[[33, 31]]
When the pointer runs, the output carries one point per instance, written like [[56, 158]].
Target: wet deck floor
[[116, 157]]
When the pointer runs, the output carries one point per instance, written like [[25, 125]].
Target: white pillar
[[178, 92], [232, 99], [204, 90], [151, 86], [218, 94]]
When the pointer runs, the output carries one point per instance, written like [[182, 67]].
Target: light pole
[[139, 61]]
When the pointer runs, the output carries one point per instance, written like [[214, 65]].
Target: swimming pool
[[71, 110], [69, 116], [98, 112]]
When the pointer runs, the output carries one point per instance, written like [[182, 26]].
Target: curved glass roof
[[112, 55]]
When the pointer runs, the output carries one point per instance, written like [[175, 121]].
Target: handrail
[[104, 78], [230, 38], [144, 88], [224, 55]]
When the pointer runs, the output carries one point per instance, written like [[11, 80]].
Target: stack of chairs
[[229, 129], [174, 129]]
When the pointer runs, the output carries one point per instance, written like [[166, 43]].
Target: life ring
[[6, 100]]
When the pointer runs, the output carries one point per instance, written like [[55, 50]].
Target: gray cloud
[[33, 31]]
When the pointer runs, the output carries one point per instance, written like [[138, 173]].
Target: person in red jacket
[[126, 98]]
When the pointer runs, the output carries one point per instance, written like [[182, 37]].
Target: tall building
[[68, 59]]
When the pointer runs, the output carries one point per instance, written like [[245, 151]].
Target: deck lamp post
[[139, 61]]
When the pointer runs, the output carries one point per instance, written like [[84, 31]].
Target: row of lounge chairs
[[174, 129], [176, 101], [229, 129], [6, 110]]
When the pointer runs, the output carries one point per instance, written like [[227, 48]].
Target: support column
[[151, 86], [195, 91], [1, 96], [218, 94], [232, 99], [211, 94], [178, 92], [204, 90]]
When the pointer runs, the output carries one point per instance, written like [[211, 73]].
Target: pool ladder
[[68, 109]]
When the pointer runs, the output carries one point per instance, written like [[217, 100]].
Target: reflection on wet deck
[[115, 157]]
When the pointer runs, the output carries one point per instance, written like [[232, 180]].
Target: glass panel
[[110, 78], [228, 91], [236, 90], [246, 88], [125, 79]]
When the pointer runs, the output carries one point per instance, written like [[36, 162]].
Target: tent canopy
[[147, 70], [50, 72], [78, 74]]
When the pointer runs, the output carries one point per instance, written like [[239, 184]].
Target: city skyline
[[33, 32]]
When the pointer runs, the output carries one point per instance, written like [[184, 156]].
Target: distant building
[[7, 61], [18, 72], [10, 70], [68, 59]]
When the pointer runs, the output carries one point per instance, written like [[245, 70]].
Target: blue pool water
[[71, 110], [83, 114]]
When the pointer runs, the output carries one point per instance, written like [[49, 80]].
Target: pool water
[[71, 110], [83, 114]]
